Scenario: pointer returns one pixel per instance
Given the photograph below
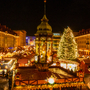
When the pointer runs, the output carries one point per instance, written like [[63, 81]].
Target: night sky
[[27, 14]]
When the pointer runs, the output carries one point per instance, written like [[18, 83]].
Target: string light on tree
[[67, 46]]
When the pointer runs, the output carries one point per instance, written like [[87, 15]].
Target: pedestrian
[[10, 82], [6, 76], [3, 73]]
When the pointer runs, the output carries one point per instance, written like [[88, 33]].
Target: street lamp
[[51, 80]]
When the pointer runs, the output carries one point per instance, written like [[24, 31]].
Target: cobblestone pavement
[[4, 84]]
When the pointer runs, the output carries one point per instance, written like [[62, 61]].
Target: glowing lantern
[[6, 67], [51, 80]]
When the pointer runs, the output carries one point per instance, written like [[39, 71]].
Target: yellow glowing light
[[1, 63], [70, 66], [5, 67], [1, 70]]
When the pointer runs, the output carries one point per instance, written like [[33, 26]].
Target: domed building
[[44, 27]]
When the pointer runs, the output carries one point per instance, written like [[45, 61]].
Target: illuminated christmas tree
[[67, 47]]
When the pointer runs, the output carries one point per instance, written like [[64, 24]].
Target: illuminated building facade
[[11, 38], [22, 37], [8, 38], [30, 40], [56, 40], [83, 41]]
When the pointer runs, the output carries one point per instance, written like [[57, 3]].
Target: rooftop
[[87, 61], [3, 28], [34, 74]]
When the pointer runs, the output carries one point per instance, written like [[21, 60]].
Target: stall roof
[[22, 61]]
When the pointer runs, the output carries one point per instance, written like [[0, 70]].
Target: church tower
[[43, 40]]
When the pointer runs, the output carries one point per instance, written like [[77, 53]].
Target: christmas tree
[[67, 47]]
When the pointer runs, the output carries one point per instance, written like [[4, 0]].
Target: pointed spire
[[44, 7], [44, 17], [44, 26]]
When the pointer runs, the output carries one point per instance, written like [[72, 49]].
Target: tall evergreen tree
[[67, 46]]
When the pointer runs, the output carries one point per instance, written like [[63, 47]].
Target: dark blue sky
[[26, 14]]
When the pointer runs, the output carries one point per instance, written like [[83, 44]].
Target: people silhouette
[[3, 73]]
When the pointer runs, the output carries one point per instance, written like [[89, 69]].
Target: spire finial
[[44, 7], [44, 1]]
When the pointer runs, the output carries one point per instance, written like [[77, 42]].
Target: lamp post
[[51, 80]]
